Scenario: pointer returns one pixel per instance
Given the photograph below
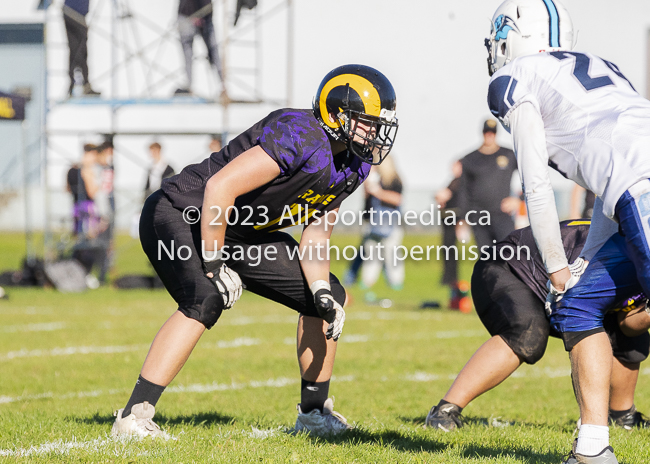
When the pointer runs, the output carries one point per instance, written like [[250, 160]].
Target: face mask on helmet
[[368, 137], [497, 43], [527, 27], [355, 105]]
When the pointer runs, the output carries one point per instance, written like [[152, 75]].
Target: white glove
[[226, 280], [328, 308], [577, 268]]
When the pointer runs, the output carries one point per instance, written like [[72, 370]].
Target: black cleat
[[630, 420], [444, 417]]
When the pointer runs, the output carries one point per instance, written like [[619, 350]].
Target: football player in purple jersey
[[295, 166]]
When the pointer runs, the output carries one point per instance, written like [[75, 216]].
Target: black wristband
[[215, 264]]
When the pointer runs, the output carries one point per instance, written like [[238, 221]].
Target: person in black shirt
[[509, 296], [295, 166], [485, 184]]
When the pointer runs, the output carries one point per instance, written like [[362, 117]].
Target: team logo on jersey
[[503, 25], [630, 304], [502, 161]]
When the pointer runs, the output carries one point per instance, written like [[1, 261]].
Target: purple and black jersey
[[532, 271], [311, 179]]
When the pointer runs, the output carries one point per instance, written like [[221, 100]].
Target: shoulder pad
[[500, 95]]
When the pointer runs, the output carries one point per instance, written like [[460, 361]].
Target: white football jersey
[[597, 126]]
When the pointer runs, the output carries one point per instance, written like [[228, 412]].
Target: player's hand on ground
[[328, 309], [226, 280]]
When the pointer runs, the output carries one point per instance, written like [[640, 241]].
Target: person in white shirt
[[159, 170], [577, 113]]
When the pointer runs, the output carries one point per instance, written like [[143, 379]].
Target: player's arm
[[529, 138], [315, 265], [250, 170]]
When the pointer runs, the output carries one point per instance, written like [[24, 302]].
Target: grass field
[[67, 361]]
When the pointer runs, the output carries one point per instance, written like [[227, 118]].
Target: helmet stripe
[[368, 93], [553, 24]]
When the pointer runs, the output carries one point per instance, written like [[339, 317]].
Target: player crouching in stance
[[303, 161], [579, 114], [509, 298]]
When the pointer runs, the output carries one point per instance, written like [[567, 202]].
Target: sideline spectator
[[384, 195], [74, 17], [485, 186], [105, 208], [215, 143], [81, 184], [385, 198], [84, 185], [195, 17], [449, 201], [159, 170]]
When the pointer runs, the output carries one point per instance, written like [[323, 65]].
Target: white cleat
[[138, 423], [321, 424]]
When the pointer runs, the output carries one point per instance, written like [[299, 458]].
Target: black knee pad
[[208, 312]]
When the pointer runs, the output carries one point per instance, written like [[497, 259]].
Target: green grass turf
[[237, 394]]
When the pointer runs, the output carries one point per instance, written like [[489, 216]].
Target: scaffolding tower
[[137, 83]]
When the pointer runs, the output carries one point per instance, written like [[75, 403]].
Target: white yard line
[[236, 343], [64, 447], [192, 388], [58, 447], [44, 327], [533, 372], [70, 350]]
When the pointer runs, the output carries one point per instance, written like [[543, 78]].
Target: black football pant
[[278, 278], [77, 33]]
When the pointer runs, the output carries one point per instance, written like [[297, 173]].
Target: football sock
[[443, 402], [618, 414], [592, 439], [143, 391], [313, 395]]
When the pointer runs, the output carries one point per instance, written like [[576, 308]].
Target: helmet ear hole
[[503, 48]]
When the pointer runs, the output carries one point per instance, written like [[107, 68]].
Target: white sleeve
[[529, 138], [601, 229]]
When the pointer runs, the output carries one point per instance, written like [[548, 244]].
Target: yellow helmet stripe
[[369, 95]]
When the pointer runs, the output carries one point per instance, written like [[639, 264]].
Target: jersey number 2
[[581, 71]]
